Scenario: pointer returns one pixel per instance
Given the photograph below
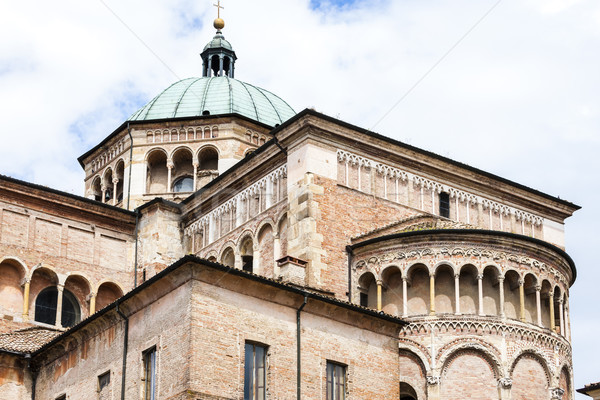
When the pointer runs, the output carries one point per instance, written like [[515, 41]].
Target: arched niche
[[182, 174], [108, 292], [418, 290], [444, 290], [157, 172], [266, 251], [367, 289], [491, 291], [80, 288], [392, 301], [511, 294], [228, 257], [11, 293], [468, 289]]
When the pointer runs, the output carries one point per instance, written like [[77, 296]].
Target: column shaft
[[552, 323], [432, 294], [379, 296], [562, 317], [26, 302], [457, 293], [501, 289], [522, 300], [538, 305], [59, 306], [92, 303], [404, 297], [480, 290]]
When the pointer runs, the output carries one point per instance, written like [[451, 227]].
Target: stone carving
[[557, 393], [505, 383], [433, 380]]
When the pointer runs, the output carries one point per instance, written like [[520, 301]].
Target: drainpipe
[[349, 251], [298, 366], [125, 341], [135, 261], [130, 165], [33, 372]]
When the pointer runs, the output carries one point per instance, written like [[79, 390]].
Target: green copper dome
[[195, 97]]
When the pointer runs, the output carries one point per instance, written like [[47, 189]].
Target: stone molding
[[462, 196], [231, 204]]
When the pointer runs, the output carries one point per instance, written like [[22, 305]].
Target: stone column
[[433, 388], [221, 65], [379, 305], [538, 304], [170, 166], [103, 190], [195, 165], [209, 72], [504, 386], [59, 301], [562, 317], [522, 300], [432, 294], [92, 303], [238, 260], [114, 196], [457, 293], [26, 301], [404, 297], [501, 289], [480, 291], [276, 253], [551, 299]]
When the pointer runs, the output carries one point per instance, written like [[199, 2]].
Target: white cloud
[[517, 97]]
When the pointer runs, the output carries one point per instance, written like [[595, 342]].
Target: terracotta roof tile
[[26, 340]]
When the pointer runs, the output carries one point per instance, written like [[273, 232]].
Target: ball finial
[[219, 24]]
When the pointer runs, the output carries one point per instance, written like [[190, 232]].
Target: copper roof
[[26, 340]]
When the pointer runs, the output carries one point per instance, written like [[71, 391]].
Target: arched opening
[[11, 294], [418, 290], [564, 382], [247, 253], [511, 295], [407, 392], [391, 298], [108, 186], [283, 235], [46, 307], [96, 189], [367, 289], [208, 165], [228, 257], [120, 172], [545, 300], [157, 172], [491, 291], [108, 292], [79, 287], [468, 289], [183, 171], [444, 290], [530, 284], [557, 307]]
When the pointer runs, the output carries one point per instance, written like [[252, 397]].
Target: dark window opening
[[364, 299], [336, 381], [247, 263], [407, 392], [445, 205], [104, 380], [149, 373], [255, 372], [45, 308], [184, 184]]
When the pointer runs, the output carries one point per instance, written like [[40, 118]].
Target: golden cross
[[219, 7]]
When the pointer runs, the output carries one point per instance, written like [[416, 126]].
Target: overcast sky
[[511, 87]]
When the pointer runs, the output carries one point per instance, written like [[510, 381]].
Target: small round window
[[185, 184]]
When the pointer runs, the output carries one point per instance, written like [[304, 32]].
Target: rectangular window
[[149, 357], [336, 381], [255, 372], [103, 380], [445, 205]]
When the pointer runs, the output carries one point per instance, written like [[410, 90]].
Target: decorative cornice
[[230, 204], [462, 196]]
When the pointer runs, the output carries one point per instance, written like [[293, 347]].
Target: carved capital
[[500, 278], [433, 380], [115, 181], [521, 282], [557, 393], [480, 277], [505, 383], [538, 288], [170, 164]]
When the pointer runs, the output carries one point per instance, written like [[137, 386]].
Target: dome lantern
[[218, 57]]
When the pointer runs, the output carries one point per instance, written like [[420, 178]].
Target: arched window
[[45, 307], [407, 392], [183, 184]]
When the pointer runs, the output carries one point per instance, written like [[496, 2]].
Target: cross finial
[[219, 8]]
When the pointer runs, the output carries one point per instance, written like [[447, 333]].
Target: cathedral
[[227, 247]]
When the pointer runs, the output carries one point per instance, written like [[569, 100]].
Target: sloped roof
[[27, 340]]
